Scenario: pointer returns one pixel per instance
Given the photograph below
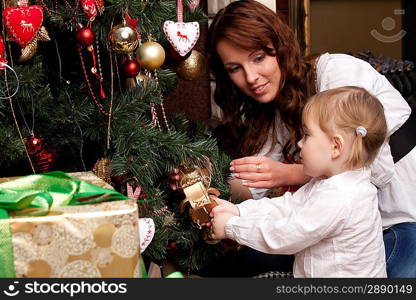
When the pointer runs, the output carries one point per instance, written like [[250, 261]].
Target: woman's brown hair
[[252, 26]]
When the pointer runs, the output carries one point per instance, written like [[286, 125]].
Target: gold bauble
[[151, 55], [193, 67], [123, 39]]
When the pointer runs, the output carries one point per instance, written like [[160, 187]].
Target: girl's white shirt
[[332, 226], [396, 183]]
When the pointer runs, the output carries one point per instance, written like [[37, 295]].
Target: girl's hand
[[223, 206], [218, 224], [260, 171]]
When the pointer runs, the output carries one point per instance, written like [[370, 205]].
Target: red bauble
[[34, 145], [172, 246], [131, 68], [85, 36], [43, 159]]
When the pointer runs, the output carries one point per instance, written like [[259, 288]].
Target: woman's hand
[[260, 172]]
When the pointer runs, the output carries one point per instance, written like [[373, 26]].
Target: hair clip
[[360, 130]]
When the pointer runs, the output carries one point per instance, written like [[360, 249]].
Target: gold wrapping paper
[[99, 240]]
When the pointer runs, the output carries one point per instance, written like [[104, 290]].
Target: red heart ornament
[[23, 23]]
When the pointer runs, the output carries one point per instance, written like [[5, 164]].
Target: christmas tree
[[83, 89]]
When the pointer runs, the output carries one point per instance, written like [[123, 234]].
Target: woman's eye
[[259, 57], [232, 69]]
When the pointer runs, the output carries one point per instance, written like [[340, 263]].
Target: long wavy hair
[[252, 26]]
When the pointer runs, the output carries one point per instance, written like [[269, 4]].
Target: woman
[[262, 85]]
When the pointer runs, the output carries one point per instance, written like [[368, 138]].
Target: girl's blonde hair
[[345, 109]]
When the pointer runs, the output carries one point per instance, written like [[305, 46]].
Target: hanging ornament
[[193, 67], [142, 80], [22, 23], [34, 145], [100, 6], [123, 38], [92, 7], [2, 54], [43, 158], [102, 169], [29, 51], [192, 5], [151, 55], [85, 36], [175, 56], [133, 23], [134, 190], [172, 247], [182, 36], [24, 26], [195, 182], [133, 194], [131, 68]]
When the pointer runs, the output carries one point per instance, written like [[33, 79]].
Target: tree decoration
[[2, 54], [131, 68], [151, 55], [24, 26], [102, 169], [124, 134], [193, 4], [92, 7], [43, 157], [194, 182], [123, 38], [175, 56], [193, 67], [182, 36], [85, 36], [23, 22]]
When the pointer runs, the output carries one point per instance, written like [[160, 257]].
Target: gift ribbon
[[37, 194]]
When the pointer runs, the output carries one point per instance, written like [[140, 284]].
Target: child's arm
[[302, 227], [281, 206]]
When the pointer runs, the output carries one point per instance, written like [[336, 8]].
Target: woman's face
[[255, 73]]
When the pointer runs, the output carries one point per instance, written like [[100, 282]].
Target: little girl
[[331, 224]]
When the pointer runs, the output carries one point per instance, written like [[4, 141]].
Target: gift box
[[72, 239]]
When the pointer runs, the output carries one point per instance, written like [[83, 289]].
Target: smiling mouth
[[261, 89]]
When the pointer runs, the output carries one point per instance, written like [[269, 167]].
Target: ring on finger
[[258, 168]]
